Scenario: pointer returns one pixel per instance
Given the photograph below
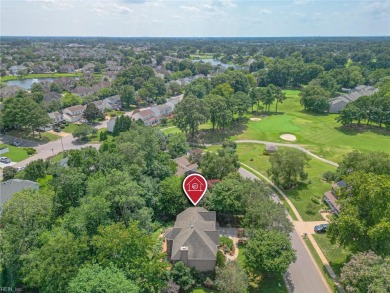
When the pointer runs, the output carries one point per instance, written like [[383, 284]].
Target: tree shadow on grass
[[354, 129], [297, 191], [209, 136]]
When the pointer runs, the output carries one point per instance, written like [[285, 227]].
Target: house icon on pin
[[195, 185]]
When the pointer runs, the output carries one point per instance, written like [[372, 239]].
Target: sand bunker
[[288, 137], [255, 119]]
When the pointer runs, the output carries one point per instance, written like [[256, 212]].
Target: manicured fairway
[[321, 134]]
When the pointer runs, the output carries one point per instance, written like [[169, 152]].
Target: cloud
[[122, 9], [190, 8], [265, 11]]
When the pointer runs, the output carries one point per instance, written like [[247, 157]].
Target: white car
[[18, 169]]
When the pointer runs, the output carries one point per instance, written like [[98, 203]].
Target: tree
[[23, 218], [172, 287], [366, 272], [69, 185], [217, 106], [231, 278], [171, 199], [241, 103], [189, 114], [34, 170], [155, 87], [223, 90], [219, 165], [122, 124], [315, 98], [55, 262], [82, 131], [94, 278], [140, 263], [182, 276], [177, 145], [198, 88], [70, 100], [269, 252], [287, 165], [127, 95], [363, 223], [8, 173], [92, 112], [279, 97]]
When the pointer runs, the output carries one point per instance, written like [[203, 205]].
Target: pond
[[27, 83], [214, 62]]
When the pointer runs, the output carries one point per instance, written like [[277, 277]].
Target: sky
[[194, 18]]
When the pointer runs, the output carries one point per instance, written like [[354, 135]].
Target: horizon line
[[197, 37]]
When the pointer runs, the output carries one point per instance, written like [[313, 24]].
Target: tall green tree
[[219, 114], [189, 114], [269, 252], [92, 112], [364, 220], [182, 276], [94, 278], [231, 278], [219, 165], [177, 145], [287, 166], [315, 98]]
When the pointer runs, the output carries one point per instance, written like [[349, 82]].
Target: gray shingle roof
[[195, 228], [10, 187]]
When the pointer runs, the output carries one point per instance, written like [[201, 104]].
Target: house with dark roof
[[9, 91], [10, 187], [184, 166], [330, 197], [194, 239], [51, 96], [337, 104]]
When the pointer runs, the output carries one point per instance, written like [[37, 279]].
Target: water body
[[214, 62], [28, 82]]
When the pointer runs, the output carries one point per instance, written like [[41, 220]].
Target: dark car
[[320, 228], [15, 143], [57, 129]]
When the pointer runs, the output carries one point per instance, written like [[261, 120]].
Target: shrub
[[8, 173], [315, 200], [221, 259], [226, 243], [329, 176], [30, 151], [311, 209]]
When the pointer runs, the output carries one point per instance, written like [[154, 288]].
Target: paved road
[[303, 276]]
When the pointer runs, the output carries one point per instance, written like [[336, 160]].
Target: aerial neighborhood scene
[[221, 146]]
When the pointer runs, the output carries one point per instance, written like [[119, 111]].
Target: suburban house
[[337, 104], [114, 102], [83, 91], [56, 117], [194, 239], [66, 82], [147, 116], [14, 70], [102, 105], [330, 197], [10, 187], [74, 113], [172, 102], [40, 69], [184, 166], [90, 67], [111, 124], [67, 68], [9, 91]]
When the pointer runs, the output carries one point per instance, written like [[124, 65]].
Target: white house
[[114, 102], [56, 117], [74, 113], [147, 116], [102, 105]]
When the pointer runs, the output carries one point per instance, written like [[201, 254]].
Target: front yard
[[15, 154], [45, 136]]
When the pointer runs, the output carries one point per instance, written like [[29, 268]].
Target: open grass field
[[46, 137], [321, 134], [335, 254], [70, 128], [15, 154]]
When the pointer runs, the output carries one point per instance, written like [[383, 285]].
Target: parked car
[[57, 129], [15, 143], [5, 160], [320, 228], [18, 169]]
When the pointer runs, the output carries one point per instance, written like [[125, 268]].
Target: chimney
[[184, 254]]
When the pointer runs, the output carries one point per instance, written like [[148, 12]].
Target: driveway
[[303, 276]]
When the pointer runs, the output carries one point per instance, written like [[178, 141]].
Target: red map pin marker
[[195, 186]]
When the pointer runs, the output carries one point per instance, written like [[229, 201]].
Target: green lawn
[[95, 138], [334, 253], [42, 75], [321, 134], [46, 137], [70, 128], [57, 157], [203, 290], [325, 273], [15, 154]]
